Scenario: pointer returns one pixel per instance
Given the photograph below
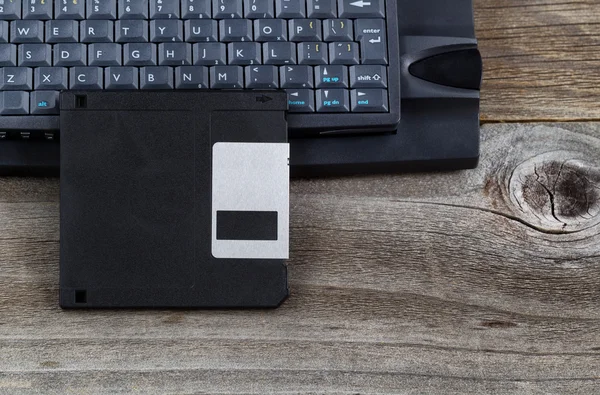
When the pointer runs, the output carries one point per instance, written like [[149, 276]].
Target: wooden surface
[[473, 282]]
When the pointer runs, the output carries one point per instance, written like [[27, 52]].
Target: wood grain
[[483, 281]]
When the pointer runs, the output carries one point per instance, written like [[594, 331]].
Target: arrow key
[[331, 76], [361, 8], [369, 100], [332, 100], [301, 100]]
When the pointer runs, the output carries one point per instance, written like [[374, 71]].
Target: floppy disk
[[173, 199]]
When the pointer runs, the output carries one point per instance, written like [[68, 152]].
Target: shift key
[[368, 76]]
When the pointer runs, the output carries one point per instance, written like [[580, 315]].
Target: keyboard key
[[305, 30], [69, 9], [262, 77], [121, 77], [133, 9], [322, 8], [160, 77], [362, 8], [296, 76], [62, 31], [244, 53], [288, 9], [191, 77], [372, 37], [14, 103], [51, 78], [259, 9], [4, 31], [44, 102], [86, 78], [270, 30], [139, 54], [368, 76], [70, 54], [96, 31], [25, 31], [227, 9], [40, 10], [35, 55], [8, 55], [331, 77], [343, 53], [209, 54], [332, 100], [101, 9], [235, 30], [226, 77], [16, 79], [195, 9], [338, 30], [131, 31], [301, 100], [280, 53], [104, 54], [174, 54], [369, 100], [312, 53], [164, 9], [166, 31], [10, 10], [200, 30]]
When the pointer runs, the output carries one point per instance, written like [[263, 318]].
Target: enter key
[[372, 36]]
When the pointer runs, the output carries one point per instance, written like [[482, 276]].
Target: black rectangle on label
[[246, 225]]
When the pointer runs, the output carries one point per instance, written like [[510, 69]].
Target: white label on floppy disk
[[250, 181]]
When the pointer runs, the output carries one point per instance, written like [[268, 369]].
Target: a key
[[44, 102], [209, 54], [191, 77], [67, 54], [160, 77], [35, 55], [121, 78], [332, 100], [174, 54], [104, 54], [301, 100], [322, 8], [133, 9], [305, 30], [200, 30], [62, 31], [96, 31], [270, 30], [164, 9], [37, 9], [288, 9], [14, 103], [227, 9], [329, 77], [10, 10], [369, 100], [8, 55], [16, 79], [312, 53], [195, 9], [25, 31], [296, 76], [139, 54], [244, 53], [255, 9], [338, 30], [235, 30], [131, 31], [164, 30], [51, 78], [86, 78], [226, 77], [101, 9], [279, 53], [368, 76], [371, 34], [262, 77], [362, 8], [343, 53], [4, 31], [69, 9]]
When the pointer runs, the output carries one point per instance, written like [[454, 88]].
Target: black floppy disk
[[173, 199]]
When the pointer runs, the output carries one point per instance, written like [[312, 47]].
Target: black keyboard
[[338, 60]]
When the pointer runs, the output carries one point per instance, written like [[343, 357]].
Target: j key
[[369, 100], [35, 55], [62, 31], [362, 9], [8, 55], [279, 53], [139, 54], [305, 30], [368, 76], [210, 54], [14, 103], [93, 31], [133, 9], [343, 53], [312, 53], [131, 31], [166, 31], [244, 53], [235, 30], [296, 76], [69, 9], [101, 9], [51, 78], [338, 30], [104, 54], [256, 9], [195, 9], [4, 31], [121, 78], [200, 30], [225, 9], [270, 30], [10, 10], [44, 102], [322, 8], [160, 77], [164, 9], [333, 100], [371, 34], [301, 100], [174, 54], [288, 9], [262, 77], [26, 32], [331, 77], [67, 54], [86, 78], [191, 77], [226, 77], [41, 10], [16, 78]]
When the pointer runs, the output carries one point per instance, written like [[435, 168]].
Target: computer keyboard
[[338, 60]]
